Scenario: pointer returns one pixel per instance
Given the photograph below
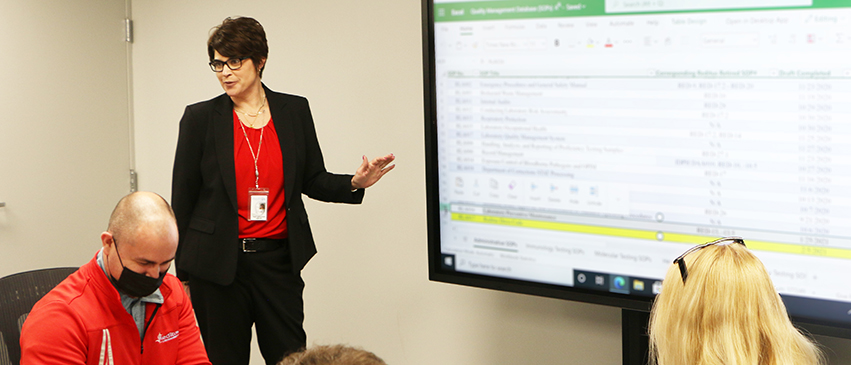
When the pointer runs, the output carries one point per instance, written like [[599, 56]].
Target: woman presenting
[[243, 161]]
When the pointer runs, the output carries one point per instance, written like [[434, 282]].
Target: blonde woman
[[718, 306]]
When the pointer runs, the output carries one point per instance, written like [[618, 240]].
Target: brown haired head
[[332, 355], [239, 37]]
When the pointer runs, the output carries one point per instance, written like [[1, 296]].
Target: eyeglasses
[[681, 262], [233, 64]]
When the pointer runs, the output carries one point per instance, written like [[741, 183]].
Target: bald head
[[141, 211], [144, 224]]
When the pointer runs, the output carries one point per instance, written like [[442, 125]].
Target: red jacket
[[82, 321]]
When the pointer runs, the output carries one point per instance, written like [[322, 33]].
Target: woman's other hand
[[370, 172]]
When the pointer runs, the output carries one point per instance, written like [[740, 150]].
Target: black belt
[[261, 244]]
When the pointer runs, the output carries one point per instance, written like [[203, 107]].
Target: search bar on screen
[[633, 6]]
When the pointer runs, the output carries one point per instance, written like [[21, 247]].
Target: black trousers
[[266, 294]]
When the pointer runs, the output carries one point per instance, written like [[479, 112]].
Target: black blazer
[[203, 190]]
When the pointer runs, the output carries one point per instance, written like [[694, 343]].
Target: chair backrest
[[18, 293]]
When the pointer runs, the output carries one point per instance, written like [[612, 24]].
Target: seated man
[[121, 307]]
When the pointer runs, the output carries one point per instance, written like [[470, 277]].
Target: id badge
[[258, 204]]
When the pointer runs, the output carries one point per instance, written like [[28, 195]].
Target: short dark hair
[[239, 37]]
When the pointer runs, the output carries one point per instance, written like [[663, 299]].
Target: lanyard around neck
[[259, 146]]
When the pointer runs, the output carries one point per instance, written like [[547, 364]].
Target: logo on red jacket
[[168, 337]]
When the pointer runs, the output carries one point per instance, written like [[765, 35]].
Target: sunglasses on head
[[681, 262]]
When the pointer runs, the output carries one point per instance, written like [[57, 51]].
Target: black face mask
[[132, 283]]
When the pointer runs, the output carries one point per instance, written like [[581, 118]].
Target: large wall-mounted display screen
[[575, 148]]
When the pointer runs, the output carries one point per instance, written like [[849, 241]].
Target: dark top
[[203, 191]]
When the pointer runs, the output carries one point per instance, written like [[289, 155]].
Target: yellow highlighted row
[[841, 253]]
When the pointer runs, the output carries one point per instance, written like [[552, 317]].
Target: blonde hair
[[726, 312], [332, 355]]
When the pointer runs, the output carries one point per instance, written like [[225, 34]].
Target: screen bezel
[[437, 273]]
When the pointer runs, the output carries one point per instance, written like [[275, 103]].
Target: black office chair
[[18, 293]]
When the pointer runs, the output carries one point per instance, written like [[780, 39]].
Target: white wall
[[64, 132], [359, 63]]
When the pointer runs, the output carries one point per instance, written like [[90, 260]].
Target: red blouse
[[271, 167]]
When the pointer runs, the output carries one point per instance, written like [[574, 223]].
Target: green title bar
[[515, 9], [528, 9]]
